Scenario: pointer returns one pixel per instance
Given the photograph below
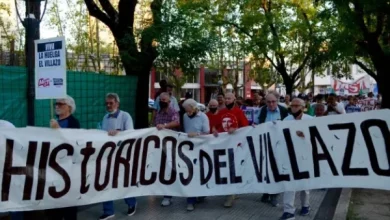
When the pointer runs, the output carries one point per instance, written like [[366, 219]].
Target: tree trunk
[[289, 86], [141, 100], [384, 90]]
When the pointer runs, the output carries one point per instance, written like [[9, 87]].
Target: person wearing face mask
[[114, 121], [334, 108], [172, 101], [196, 123], [166, 118], [297, 108], [229, 120], [64, 109], [212, 113]]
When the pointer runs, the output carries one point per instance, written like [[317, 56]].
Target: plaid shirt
[[169, 116]]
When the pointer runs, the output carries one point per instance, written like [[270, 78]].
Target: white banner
[[351, 88], [46, 168], [50, 68]]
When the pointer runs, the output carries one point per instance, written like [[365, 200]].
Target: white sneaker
[[190, 207], [166, 202]]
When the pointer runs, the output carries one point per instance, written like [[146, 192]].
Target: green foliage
[[186, 39], [363, 32], [291, 35]]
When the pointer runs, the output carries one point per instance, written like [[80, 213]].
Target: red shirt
[[213, 120], [233, 118]]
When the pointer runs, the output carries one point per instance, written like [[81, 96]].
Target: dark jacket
[[263, 113], [72, 122]]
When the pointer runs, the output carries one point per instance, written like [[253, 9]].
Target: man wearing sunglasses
[[64, 109], [113, 122]]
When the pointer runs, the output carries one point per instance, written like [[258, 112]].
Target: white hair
[[113, 96], [69, 101], [164, 94], [190, 103], [301, 102]]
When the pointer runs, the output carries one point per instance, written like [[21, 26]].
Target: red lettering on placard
[[44, 82]]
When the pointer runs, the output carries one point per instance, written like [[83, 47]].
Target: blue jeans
[[16, 215], [191, 200], [108, 207]]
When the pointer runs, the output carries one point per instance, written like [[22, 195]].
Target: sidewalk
[[368, 204], [246, 207]]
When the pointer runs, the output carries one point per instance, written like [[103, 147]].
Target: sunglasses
[[59, 104]]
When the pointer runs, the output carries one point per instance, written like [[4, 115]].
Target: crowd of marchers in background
[[224, 114]]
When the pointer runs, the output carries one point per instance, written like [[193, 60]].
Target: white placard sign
[[50, 68], [42, 168]]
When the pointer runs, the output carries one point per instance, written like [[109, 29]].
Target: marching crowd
[[225, 114]]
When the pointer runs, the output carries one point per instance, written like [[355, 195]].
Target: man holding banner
[[297, 106], [230, 119], [114, 122], [64, 109], [272, 112]]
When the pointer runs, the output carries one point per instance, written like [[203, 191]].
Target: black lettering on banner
[[346, 166], [297, 174], [266, 157], [172, 178], [218, 165], [153, 176], [42, 170], [314, 137], [203, 155], [61, 171], [98, 186], [274, 166], [258, 168], [232, 168], [382, 125], [10, 170], [125, 162], [187, 161], [88, 151], [134, 172]]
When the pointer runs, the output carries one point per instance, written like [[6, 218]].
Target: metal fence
[[86, 87]]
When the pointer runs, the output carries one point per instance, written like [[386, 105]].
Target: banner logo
[[44, 82]]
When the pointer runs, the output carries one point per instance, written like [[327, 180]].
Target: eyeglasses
[[60, 104], [110, 103]]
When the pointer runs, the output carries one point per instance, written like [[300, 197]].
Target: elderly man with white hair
[[64, 109], [297, 106], [196, 123]]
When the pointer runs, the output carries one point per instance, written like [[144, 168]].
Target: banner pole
[[51, 109]]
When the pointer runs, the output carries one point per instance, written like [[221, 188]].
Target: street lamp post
[[31, 23]]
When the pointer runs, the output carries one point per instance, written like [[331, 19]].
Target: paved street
[[246, 207]]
